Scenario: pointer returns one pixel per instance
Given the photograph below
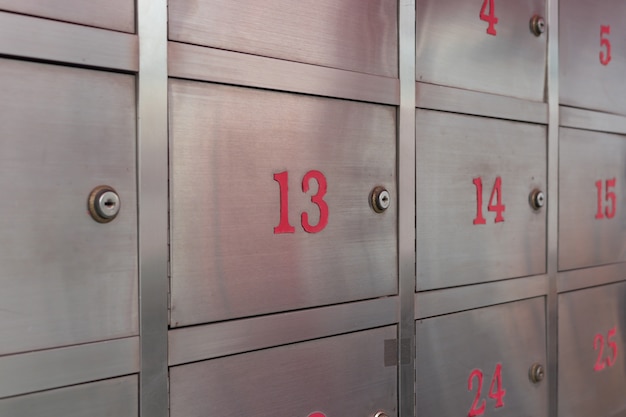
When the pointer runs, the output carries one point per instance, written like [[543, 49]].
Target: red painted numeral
[[475, 410], [605, 56], [491, 17], [283, 183], [598, 344], [496, 392], [497, 395], [318, 199], [317, 414], [610, 197], [496, 193]]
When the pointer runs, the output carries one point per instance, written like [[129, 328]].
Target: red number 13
[[318, 199]]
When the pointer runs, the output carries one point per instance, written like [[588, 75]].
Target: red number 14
[[496, 193]]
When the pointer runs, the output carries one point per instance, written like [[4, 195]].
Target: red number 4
[[491, 17], [496, 392]]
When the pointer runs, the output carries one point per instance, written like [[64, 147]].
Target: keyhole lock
[[103, 203], [537, 25], [537, 199], [536, 373], [380, 199]]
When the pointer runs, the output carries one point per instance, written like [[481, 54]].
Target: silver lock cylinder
[[537, 199], [380, 414], [380, 199], [104, 204], [536, 373], [537, 25]]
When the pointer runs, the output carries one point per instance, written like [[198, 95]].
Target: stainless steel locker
[[592, 61], [592, 332], [349, 375], [483, 45], [477, 179], [487, 361], [592, 219], [66, 278], [271, 201]]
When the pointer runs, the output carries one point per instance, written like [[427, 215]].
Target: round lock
[[537, 25], [380, 414], [537, 199], [536, 373], [380, 199], [103, 203]]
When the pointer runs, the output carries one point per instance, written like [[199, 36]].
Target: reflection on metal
[[380, 199], [103, 203]]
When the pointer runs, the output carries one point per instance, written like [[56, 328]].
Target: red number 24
[[496, 392]]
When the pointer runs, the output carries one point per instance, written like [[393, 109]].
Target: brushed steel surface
[[584, 81], [37, 38], [453, 48], [452, 150], [583, 314], [584, 158], [576, 279], [195, 343], [110, 14], [592, 120], [338, 376], [153, 207], [456, 100], [355, 35], [450, 347], [226, 145], [114, 397], [451, 300], [227, 67], [45, 369], [65, 278]]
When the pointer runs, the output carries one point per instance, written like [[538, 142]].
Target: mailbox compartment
[[483, 358], [349, 375], [271, 202], [458, 48], [108, 14], [113, 397], [66, 279], [355, 35], [592, 336], [592, 59], [592, 203], [475, 181]]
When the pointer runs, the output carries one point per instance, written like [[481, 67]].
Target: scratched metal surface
[[65, 278], [450, 347], [355, 35], [583, 315], [338, 376]]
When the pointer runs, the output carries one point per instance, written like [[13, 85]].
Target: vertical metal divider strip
[[152, 182], [553, 205], [407, 204]]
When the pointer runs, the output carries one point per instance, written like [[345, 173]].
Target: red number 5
[[605, 58]]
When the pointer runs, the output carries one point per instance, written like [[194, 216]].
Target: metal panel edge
[[552, 86], [110, 397], [436, 97], [37, 38], [452, 300], [207, 64], [592, 120], [590, 277], [152, 181], [407, 173], [225, 338], [41, 370]]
